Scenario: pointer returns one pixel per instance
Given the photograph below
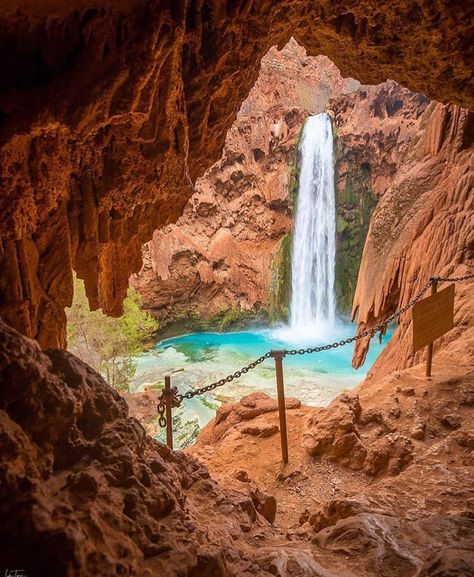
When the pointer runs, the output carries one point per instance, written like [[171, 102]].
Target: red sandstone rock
[[333, 433], [217, 256], [80, 482], [260, 430], [86, 492], [422, 226], [411, 516], [248, 408]]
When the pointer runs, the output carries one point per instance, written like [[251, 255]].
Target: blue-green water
[[198, 359]]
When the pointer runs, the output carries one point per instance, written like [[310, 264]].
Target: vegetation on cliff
[[355, 202], [109, 344], [280, 281]]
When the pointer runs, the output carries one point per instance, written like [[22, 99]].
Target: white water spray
[[314, 239]]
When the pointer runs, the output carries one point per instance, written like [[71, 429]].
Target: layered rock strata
[[110, 110]]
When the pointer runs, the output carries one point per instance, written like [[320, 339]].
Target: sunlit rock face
[[374, 128], [422, 227], [217, 257], [110, 110]]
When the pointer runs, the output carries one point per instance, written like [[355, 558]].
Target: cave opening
[[219, 280]]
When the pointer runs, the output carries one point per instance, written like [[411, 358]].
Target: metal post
[[429, 351], [278, 356], [169, 416]]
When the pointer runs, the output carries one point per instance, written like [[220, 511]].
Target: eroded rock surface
[[218, 255], [87, 492], [360, 491], [422, 227]]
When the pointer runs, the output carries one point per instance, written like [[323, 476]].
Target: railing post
[[169, 415], [278, 356], [429, 351]]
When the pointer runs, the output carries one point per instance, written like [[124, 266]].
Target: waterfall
[[314, 238]]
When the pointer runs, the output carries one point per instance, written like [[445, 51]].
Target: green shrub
[[109, 344]]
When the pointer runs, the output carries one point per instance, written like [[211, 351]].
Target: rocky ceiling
[[109, 110]]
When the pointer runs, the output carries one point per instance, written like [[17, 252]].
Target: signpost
[[278, 356], [169, 413], [433, 317]]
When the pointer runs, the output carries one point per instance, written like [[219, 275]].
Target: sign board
[[433, 317]]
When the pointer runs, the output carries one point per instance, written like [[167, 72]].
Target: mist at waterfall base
[[198, 359]]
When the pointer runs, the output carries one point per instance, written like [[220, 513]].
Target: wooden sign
[[433, 317]]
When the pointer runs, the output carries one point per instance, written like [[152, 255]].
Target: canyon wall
[[422, 227], [110, 111], [228, 258], [374, 128], [214, 263]]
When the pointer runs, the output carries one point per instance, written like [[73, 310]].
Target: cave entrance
[[220, 282]]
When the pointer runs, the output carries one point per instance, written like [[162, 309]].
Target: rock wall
[[422, 226], [217, 257], [86, 492], [235, 254], [110, 110], [374, 128]]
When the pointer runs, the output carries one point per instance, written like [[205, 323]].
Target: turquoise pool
[[198, 359]]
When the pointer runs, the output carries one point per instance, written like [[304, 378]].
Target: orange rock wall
[[110, 110], [217, 257], [423, 226]]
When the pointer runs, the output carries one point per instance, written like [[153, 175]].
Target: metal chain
[[369, 332], [225, 380], [161, 412], [456, 278], [177, 399]]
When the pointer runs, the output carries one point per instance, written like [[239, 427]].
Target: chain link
[[455, 279], [225, 380], [381, 327]]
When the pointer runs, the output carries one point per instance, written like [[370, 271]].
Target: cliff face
[[374, 127], [217, 256], [110, 110], [422, 226]]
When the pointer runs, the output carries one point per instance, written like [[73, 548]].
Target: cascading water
[[312, 307]]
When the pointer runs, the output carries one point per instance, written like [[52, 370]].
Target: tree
[[109, 344]]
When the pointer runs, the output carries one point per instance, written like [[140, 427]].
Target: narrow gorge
[[233, 197]]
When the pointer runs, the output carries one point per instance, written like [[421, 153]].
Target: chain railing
[[170, 398]]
